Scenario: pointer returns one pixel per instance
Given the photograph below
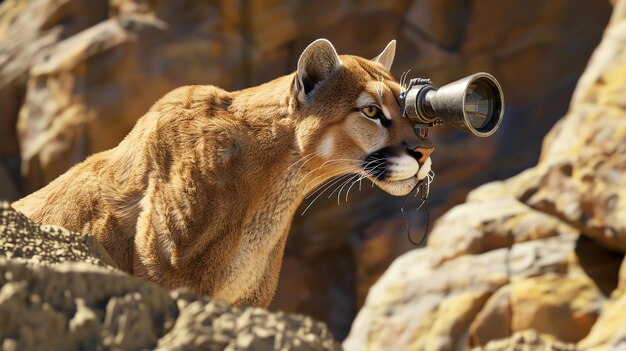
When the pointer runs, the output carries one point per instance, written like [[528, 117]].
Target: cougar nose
[[421, 154]]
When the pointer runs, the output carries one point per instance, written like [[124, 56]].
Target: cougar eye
[[371, 111]]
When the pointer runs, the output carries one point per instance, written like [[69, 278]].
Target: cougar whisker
[[341, 171], [325, 184], [361, 177], [349, 169], [343, 186], [307, 158], [320, 194]]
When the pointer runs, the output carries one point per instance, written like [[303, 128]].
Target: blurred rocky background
[[75, 75]]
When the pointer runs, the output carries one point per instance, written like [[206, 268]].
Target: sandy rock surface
[[527, 341], [57, 292], [26, 241], [531, 262]]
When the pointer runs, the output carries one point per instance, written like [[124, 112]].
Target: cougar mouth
[[396, 175], [385, 165], [396, 187]]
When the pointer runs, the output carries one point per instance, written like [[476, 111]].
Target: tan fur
[[202, 191]]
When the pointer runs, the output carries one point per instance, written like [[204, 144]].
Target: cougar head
[[350, 120]]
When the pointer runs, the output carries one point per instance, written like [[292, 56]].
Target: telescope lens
[[479, 101]]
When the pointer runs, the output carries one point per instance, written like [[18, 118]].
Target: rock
[[528, 341], [563, 307], [583, 168], [608, 332], [417, 305], [22, 239], [549, 285], [27, 30], [477, 227], [63, 295], [553, 236], [52, 306]]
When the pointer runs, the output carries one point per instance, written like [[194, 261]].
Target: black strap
[[420, 188]]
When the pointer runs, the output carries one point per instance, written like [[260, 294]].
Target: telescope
[[474, 104]]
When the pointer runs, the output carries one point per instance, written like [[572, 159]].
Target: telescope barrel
[[474, 104]]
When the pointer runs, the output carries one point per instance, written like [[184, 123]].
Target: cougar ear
[[318, 62], [386, 57]]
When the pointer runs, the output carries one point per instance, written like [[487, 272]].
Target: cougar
[[202, 191]]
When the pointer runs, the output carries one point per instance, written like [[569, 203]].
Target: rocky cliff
[[534, 261], [58, 292], [76, 74]]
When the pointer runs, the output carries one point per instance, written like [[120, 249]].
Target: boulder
[[528, 340], [28, 29], [583, 165], [549, 285], [608, 333]]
